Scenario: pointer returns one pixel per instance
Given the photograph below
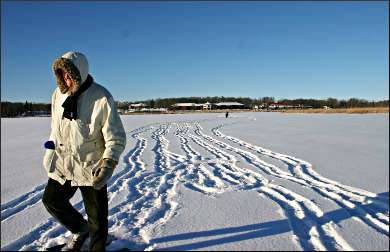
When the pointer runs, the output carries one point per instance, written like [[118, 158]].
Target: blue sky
[[170, 49]]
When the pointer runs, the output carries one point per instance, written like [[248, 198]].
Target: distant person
[[86, 140], [227, 114]]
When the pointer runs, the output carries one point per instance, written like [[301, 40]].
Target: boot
[[76, 242]]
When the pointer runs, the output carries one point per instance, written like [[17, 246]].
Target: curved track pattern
[[146, 198]]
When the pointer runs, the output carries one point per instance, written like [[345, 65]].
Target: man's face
[[68, 80]]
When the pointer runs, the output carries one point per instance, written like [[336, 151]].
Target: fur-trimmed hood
[[76, 65]]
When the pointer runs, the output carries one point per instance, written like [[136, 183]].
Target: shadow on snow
[[252, 231]]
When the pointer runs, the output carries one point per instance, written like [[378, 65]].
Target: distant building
[[207, 106], [187, 106], [277, 105], [229, 105], [154, 110], [136, 106]]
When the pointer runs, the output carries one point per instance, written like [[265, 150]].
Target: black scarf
[[70, 104]]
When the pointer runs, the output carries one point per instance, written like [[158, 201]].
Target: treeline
[[14, 109], [250, 102], [334, 103]]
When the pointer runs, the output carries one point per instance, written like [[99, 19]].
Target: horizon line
[[235, 97]]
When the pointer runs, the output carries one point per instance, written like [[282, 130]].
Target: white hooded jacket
[[97, 133]]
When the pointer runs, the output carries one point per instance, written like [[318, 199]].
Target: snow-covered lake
[[253, 181]]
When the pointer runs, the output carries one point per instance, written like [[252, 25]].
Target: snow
[[253, 181]]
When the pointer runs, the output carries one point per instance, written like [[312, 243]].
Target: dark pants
[[56, 200]]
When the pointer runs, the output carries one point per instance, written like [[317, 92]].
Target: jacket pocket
[[87, 168], [48, 159]]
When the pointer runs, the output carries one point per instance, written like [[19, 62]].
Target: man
[[86, 141]]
